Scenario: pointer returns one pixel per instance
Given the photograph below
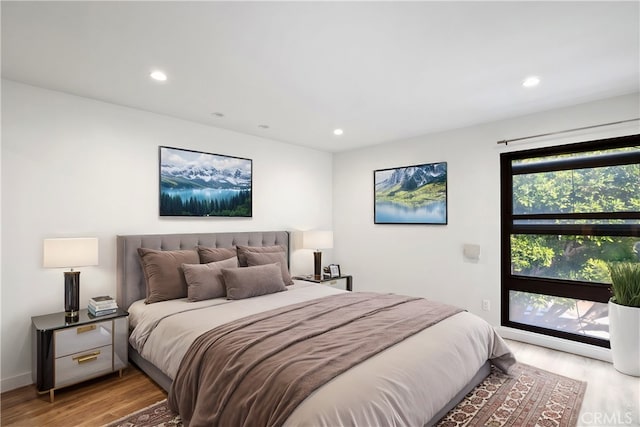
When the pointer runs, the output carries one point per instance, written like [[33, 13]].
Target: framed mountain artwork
[[193, 183], [411, 194]]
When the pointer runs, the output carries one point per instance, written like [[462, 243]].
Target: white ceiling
[[382, 71]]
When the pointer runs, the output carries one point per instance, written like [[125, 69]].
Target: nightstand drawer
[[66, 353], [80, 366], [83, 337]]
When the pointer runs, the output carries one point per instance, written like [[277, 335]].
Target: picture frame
[[414, 194], [200, 184], [334, 270]]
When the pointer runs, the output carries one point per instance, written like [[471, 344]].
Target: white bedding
[[406, 384]]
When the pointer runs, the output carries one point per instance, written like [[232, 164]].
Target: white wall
[[427, 260], [77, 167]]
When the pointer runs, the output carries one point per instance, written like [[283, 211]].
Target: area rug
[[528, 397]]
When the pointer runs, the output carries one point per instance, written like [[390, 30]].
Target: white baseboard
[[555, 343], [18, 381]]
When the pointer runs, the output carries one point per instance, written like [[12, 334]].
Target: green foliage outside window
[[581, 258], [604, 189], [592, 190]]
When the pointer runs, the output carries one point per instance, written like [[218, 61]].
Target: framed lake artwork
[[411, 194], [194, 183]]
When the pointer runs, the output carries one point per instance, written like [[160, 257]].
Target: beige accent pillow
[[256, 258], [243, 250], [205, 281], [208, 254], [163, 272], [253, 281]]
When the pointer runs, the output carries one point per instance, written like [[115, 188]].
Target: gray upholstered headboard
[[130, 280]]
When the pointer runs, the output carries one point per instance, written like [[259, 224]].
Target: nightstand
[[66, 353], [342, 282]]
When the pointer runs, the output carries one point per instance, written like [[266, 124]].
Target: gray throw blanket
[[256, 370]]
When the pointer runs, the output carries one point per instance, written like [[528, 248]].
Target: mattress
[[406, 384]]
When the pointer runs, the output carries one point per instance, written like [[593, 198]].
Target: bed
[[413, 382]]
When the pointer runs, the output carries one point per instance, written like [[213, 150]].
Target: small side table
[[66, 353], [329, 280]]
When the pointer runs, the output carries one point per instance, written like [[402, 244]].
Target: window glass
[[575, 221], [580, 155], [569, 315], [582, 258], [602, 189]]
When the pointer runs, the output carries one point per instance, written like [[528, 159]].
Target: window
[[567, 212]]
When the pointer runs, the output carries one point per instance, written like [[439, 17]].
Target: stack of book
[[103, 305]]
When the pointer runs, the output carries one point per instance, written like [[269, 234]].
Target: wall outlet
[[486, 305]]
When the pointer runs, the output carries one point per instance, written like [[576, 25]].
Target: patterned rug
[[528, 397]]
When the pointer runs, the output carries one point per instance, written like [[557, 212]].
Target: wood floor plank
[[92, 403]]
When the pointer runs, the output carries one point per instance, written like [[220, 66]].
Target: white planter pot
[[624, 335]]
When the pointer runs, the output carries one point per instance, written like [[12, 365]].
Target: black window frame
[[549, 286]]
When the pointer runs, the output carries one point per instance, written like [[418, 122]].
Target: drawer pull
[[87, 328], [87, 357]]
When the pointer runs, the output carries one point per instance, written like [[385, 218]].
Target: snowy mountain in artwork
[[413, 177], [180, 169]]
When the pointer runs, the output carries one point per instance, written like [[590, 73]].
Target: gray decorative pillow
[[208, 254], [205, 281], [253, 281], [256, 258], [243, 250], [163, 273]]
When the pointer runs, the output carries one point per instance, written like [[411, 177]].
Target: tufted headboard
[[130, 280]]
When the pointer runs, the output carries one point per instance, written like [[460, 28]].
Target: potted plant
[[624, 317]]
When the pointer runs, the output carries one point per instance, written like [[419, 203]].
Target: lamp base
[[317, 265], [71, 295], [71, 317]]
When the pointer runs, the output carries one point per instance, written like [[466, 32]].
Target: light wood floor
[[612, 399], [93, 403]]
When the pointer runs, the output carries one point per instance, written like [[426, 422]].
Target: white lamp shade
[[317, 239], [71, 252]]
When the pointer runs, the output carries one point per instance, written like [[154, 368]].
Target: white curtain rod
[[507, 141]]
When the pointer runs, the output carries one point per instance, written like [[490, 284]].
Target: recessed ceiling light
[[217, 114], [158, 75], [338, 132], [531, 81], [263, 126]]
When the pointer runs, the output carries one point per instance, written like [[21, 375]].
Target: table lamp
[[71, 253], [317, 240]]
